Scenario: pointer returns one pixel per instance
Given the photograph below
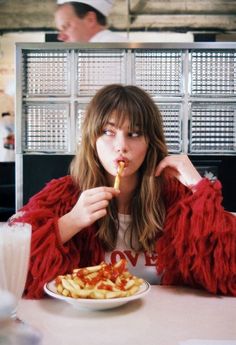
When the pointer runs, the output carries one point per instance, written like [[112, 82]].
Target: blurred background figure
[[85, 21], [7, 157], [7, 136]]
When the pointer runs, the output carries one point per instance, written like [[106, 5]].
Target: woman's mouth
[[117, 162]]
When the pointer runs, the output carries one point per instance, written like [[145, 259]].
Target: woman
[[165, 220]]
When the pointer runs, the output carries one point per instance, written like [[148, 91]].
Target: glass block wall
[[194, 87]]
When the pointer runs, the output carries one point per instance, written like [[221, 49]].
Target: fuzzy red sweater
[[197, 248]]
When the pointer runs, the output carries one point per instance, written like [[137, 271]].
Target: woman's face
[[121, 144]]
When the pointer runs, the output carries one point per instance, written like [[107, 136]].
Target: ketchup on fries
[[103, 281]]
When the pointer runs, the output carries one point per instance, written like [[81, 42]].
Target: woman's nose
[[121, 143]]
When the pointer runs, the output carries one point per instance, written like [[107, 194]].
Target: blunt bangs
[[122, 103]]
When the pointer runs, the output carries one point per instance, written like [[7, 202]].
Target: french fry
[[104, 281], [59, 288], [120, 169], [130, 283], [65, 292], [88, 270], [112, 294]]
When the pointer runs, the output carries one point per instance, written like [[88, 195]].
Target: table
[[166, 316]]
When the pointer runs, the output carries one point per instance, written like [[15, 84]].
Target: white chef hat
[[103, 6]]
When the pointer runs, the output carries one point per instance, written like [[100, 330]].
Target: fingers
[[97, 198], [92, 205], [180, 167], [170, 163], [101, 193], [174, 162], [102, 189], [94, 216]]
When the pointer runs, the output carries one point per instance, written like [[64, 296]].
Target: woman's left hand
[[180, 167]]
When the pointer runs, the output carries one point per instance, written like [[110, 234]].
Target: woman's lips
[[121, 160]]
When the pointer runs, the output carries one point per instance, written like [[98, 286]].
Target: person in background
[[7, 138], [164, 218], [7, 131], [85, 21]]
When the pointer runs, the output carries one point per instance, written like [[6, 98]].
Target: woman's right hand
[[91, 206]]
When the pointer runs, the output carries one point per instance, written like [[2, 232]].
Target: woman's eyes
[[110, 132], [134, 134]]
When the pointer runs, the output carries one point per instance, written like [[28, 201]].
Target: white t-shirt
[[140, 264]]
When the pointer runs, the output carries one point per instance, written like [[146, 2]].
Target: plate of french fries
[[104, 286]]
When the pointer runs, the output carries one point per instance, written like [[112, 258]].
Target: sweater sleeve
[[198, 245], [49, 257]]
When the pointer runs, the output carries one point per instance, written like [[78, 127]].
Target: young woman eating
[[164, 219]]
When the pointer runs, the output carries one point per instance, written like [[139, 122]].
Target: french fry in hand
[[120, 169], [103, 281]]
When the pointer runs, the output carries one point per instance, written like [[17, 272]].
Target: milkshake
[[14, 257]]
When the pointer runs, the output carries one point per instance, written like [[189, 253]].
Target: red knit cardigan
[[197, 248]]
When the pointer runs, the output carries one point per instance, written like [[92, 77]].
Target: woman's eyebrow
[[110, 123]]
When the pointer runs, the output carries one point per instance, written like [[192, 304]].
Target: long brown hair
[[147, 206]]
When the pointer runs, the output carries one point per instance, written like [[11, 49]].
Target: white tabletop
[[166, 316]]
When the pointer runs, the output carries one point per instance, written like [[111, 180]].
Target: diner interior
[[181, 52], [148, 22]]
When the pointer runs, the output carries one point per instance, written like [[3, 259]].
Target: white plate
[[96, 304]]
